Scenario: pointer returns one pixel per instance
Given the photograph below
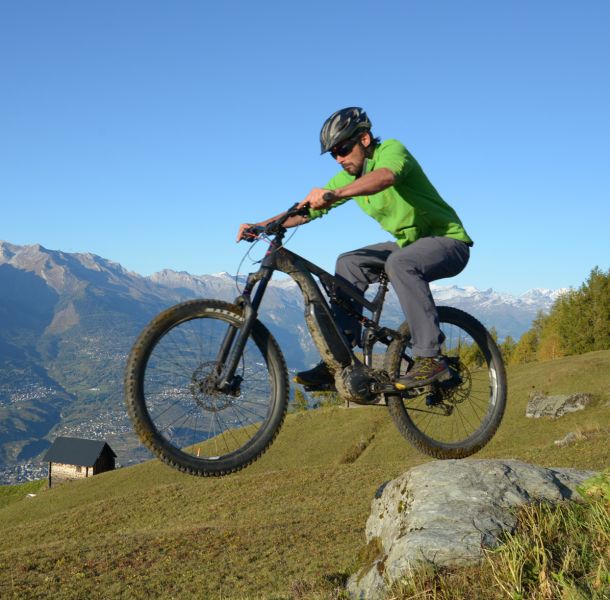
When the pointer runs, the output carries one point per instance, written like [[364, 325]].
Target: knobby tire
[[189, 426], [477, 405]]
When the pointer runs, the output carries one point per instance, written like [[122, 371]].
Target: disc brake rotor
[[453, 393], [204, 390]]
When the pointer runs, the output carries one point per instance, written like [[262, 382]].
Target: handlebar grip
[[294, 211], [302, 212], [252, 233]]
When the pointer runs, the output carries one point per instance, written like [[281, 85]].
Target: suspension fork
[[234, 342]]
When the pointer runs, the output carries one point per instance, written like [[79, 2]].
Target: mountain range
[[68, 320]]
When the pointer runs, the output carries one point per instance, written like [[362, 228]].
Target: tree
[[598, 297], [573, 321], [507, 347], [327, 399], [526, 349], [583, 315], [578, 322], [300, 401], [470, 355], [550, 345]]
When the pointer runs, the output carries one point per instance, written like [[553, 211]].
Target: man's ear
[[366, 139]]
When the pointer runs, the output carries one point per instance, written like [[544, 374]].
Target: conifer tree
[[578, 322], [598, 286]]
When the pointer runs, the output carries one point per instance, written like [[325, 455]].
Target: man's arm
[[368, 184], [371, 183]]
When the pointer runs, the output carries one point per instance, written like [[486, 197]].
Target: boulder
[[541, 405], [447, 512]]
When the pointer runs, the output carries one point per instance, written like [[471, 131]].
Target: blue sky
[[147, 131]]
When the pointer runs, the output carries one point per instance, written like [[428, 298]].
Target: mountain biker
[[430, 243]]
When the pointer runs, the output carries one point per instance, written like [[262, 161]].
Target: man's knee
[[346, 262], [400, 262]]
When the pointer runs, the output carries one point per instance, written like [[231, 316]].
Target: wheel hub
[[458, 388], [204, 389]]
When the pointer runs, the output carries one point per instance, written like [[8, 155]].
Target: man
[[430, 242]]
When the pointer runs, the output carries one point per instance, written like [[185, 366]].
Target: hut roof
[[76, 451]]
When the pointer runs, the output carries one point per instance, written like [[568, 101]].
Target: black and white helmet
[[341, 126]]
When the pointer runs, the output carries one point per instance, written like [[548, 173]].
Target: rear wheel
[[174, 402], [456, 418]]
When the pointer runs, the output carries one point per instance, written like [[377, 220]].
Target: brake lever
[[253, 233]]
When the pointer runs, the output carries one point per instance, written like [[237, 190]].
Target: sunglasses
[[345, 148]]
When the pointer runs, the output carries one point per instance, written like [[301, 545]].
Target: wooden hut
[[75, 458]]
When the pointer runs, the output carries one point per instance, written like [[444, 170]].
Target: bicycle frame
[[330, 341]]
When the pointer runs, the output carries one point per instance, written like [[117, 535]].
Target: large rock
[[541, 405], [446, 512]]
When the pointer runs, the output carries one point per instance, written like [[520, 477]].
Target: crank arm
[[326, 387], [378, 387]]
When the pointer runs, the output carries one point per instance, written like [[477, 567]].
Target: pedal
[[327, 387], [378, 387]]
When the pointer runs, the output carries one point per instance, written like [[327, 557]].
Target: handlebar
[[253, 232], [274, 226]]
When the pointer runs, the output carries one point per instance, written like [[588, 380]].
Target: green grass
[[288, 527], [15, 493]]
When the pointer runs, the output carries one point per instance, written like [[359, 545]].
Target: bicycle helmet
[[342, 125]]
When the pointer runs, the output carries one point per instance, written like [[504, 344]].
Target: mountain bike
[[206, 384]]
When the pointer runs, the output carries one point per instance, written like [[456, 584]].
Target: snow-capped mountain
[[509, 314]]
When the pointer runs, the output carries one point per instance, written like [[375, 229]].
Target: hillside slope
[[68, 321], [292, 522]]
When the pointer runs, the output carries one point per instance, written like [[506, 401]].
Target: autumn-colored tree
[[549, 338], [300, 401], [507, 347]]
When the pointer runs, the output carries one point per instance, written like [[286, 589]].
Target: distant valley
[[67, 323]]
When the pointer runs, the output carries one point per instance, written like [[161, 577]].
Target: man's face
[[353, 160]]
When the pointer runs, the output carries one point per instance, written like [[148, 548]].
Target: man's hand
[[290, 222], [315, 199], [242, 229]]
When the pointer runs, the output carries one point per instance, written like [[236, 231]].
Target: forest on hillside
[[578, 322]]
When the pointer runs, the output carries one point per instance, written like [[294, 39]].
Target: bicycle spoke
[[180, 394], [455, 414]]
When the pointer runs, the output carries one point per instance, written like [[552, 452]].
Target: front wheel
[[173, 400], [452, 419]]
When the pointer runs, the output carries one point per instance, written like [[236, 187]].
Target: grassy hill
[[290, 526]]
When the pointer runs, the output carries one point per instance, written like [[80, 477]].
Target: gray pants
[[410, 270]]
